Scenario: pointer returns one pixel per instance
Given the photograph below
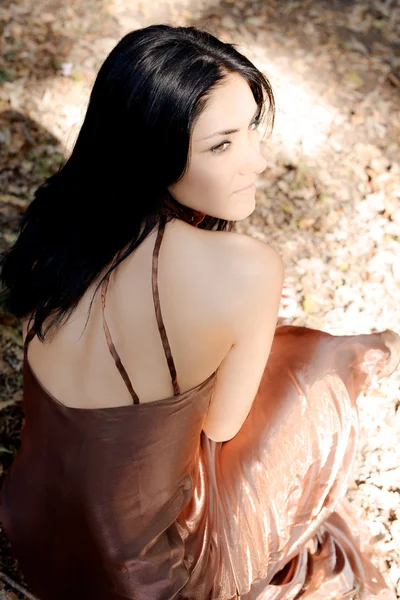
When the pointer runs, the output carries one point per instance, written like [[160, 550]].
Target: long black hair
[[133, 143]]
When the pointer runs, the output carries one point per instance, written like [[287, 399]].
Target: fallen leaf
[[354, 79], [308, 304]]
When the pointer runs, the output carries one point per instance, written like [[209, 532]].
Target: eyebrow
[[227, 131]]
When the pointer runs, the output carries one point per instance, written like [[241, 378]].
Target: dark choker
[[184, 213]]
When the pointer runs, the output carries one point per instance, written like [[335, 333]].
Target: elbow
[[219, 436]]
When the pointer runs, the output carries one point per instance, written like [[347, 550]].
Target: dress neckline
[[170, 400]]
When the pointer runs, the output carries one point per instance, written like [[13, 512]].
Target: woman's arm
[[255, 294]]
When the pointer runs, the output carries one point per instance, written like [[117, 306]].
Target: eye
[[218, 149]]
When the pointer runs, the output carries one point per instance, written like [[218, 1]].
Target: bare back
[[77, 368], [218, 293]]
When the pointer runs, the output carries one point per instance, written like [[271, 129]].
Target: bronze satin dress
[[135, 502]]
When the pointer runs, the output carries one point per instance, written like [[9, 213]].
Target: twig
[[17, 397], [17, 586], [6, 403], [393, 79], [7, 198]]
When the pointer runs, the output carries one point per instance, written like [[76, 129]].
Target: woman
[[208, 456]]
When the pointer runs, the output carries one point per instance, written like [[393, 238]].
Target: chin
[[234, 213], [241, 213]]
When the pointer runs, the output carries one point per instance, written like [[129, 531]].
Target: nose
[[262, 163], [253, 160]]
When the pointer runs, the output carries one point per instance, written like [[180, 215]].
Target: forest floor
[[329, 200]]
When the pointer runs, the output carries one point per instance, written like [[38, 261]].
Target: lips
[[246, 188]]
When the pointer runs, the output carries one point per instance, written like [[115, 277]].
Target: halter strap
[[157, 306], [111, 346], [161, 326]]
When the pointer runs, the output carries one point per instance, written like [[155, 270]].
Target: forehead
[[227, 102]]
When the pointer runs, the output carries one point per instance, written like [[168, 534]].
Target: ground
[[329, 200]]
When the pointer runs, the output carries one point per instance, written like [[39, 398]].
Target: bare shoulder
[[243, 254], [229, 270], [241, 264], [230, 254]]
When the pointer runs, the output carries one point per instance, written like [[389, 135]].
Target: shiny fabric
[[135, 502]]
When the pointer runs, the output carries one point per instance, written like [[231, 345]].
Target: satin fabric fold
[[136, 502], [276, 491]]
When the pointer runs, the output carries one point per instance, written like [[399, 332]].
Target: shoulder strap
[[167, 350], [111, 346], [161, 326], [31, 334]]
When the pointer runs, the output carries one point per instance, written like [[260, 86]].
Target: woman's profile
[[176, 443]]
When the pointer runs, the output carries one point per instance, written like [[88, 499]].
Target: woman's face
[[223, 161]]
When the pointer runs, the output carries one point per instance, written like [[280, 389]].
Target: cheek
[[212, 177], [205, 185], [199, 180]]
